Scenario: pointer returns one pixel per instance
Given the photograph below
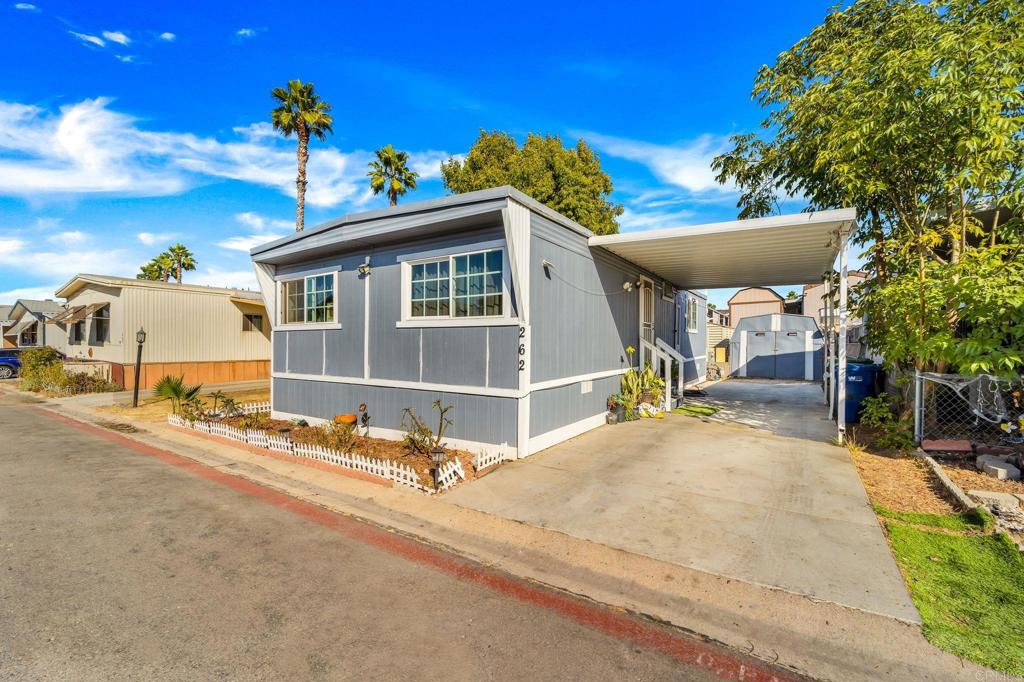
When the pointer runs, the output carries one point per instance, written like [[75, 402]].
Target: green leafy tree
[[303, 114], [568, 180], [184, 260], [390, 174], [912, 112]]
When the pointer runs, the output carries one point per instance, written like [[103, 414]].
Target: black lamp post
[[437, 457], [140, 338]]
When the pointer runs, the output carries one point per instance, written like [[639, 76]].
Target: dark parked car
[[10, 363]]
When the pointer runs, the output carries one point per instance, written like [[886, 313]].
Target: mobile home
[[488, 301]]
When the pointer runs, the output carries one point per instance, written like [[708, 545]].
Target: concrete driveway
[[770, 509], [785, 408]]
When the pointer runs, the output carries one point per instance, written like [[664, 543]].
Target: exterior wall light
[[364, 269]]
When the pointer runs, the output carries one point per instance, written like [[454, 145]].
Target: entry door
[[646, 320], [761, 354], [790, 355]]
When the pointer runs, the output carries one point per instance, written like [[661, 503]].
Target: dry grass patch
[[901, 483], [156, 409], [967, 476]]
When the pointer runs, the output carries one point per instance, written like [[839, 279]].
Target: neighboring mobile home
[[488, 301], [207, 334], [754, 301], [5, 323], [28, 326]]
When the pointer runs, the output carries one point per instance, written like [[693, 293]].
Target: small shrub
[[175, 390], [255, 420], [334, 435], [80, 382], [419, 438], [878, 413]]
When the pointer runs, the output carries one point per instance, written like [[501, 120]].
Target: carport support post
[[828, 341], [841, 341]]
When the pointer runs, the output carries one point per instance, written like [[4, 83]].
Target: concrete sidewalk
[[821, 639]]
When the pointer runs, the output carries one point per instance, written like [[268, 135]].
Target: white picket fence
[[402, 474], [253, 408], [482, 460], [450, 473]]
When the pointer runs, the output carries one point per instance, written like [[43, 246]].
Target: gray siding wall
[[467, 356], [557, 407], [477, 418], [693, 344], [582, 319]]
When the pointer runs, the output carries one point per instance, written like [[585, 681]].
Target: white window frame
[[692, 316], [506, 317], [282, 300]]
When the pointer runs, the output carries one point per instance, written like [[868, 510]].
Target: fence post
[[918, 406]]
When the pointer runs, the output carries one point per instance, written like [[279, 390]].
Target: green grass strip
[[970, 592], [973, 520], [695, 410]]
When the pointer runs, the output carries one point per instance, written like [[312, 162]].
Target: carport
[[778, 250]]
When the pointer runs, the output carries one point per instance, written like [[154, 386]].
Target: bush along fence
[[982, 408], [451, 472]]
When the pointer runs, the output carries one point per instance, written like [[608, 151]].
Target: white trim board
[[566, 381], [396, 383], [564, 433]]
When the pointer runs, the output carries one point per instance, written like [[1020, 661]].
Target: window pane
[[494, 261], [494, 283], [443, 269], [461, 286], [417, 272], [476, 263], [476, 306], [417, 291], [442, 288], [476, 285], [460, 307], [494, 305], [442, 307], [417, 309], [461, 265], [431, 308], [431, 270], [430, 290], [329, 312]]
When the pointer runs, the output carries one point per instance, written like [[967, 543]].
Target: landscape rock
[[1002, 471], [990, 498], [982, 460], [947, 446], [983, 449]]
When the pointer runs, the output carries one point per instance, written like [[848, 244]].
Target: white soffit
[[787, 249]]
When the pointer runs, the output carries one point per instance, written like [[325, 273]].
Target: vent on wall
[[586, 387]]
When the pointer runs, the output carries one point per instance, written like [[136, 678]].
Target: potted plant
[[616, 408]]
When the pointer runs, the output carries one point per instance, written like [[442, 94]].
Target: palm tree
[[159, 269], [176, 390], [390, 173], [303, 114], [184, 260]]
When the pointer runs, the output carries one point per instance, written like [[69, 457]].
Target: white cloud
[[686, 165], [246, 32], [17, 254], [26, 7], [154, 238], [261, 231], [428, 163], [32, 293], [633, 220], [89, 39], [126, 58], [88, 148], [68, 238], [118, 37], [167, 37], [217, 277]]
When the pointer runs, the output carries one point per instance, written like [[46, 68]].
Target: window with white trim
[[457, 286], [691, 314], [308, 300]]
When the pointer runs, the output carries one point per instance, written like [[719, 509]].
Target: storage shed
[[777, 346]]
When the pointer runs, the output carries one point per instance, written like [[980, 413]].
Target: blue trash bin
[[862, 380]]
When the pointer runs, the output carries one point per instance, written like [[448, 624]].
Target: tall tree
[[159, 269], [568, 180], [913, 113], [390, 173], [184, 260], [301, 113]]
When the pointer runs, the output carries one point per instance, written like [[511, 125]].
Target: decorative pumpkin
[[345, 419]]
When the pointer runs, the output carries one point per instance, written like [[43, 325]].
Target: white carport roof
[[786, 249]]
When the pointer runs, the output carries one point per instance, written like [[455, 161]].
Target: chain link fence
[[982, 409]]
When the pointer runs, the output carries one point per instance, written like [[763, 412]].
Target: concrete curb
[[952, 488]]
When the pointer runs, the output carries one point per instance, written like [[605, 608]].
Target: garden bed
[[966, 475], [379, 448], [900, 483]]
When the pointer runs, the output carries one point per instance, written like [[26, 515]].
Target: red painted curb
[[681, 647], [263, 452]]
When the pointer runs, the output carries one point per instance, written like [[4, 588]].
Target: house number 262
[[522, 349]]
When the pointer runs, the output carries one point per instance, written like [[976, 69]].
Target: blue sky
[[125, 127]]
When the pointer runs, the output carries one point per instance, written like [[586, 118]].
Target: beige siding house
[[814, 298], [753, 301], [208, 334]]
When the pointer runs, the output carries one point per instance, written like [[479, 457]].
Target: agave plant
[[177, 391]]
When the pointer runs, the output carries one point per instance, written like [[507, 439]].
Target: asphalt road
[[116, 564]]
